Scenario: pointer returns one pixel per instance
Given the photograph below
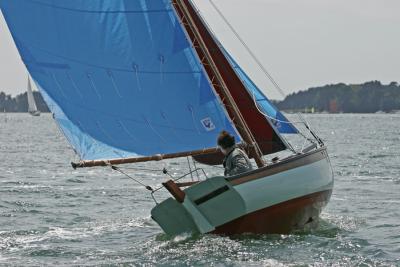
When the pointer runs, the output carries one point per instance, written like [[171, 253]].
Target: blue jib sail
[[281, 123], [119, 76]]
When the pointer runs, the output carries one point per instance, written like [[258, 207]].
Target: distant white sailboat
[[32, 109]]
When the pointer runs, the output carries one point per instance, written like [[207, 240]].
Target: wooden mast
[[181, 7], [267, 138]]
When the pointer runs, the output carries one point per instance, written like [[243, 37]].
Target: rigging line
[[195, 167], [190, 168], [143, 169], [306, 138], [272, 118], [260, 65], [277, 120], [304, 144], [115, 168]]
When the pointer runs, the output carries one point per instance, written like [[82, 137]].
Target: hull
[[279, 198], [283, 218]]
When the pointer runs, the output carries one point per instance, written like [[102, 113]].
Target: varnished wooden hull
[[282, 218]]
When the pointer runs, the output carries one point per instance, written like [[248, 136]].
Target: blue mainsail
[[119, 76], [281, 123]]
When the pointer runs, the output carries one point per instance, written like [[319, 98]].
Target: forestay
[[119, 76], [276, 117]]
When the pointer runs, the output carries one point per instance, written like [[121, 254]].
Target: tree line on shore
[[19, 103], [369, 97]]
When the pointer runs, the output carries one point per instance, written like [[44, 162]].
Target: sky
[[302, 43]]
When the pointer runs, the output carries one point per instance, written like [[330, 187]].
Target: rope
[[143, 169], [272, 118], [149, 187], [115, 168], [287, 122], [195, 167], [190, 168], [260, 65]]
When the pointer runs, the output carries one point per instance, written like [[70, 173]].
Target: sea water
[[52, 215]]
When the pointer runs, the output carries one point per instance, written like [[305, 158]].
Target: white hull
[[294, 183]]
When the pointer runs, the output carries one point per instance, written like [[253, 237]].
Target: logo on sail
[[208, 124]]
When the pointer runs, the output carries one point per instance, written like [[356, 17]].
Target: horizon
[[304, 44], [272, 99]]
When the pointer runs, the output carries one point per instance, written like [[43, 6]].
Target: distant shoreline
[[19, 103], [370, 97]]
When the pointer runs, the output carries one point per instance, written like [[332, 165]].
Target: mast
[[182, 9], [266, 136]]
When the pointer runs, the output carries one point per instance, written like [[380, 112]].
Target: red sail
[[267, 139]]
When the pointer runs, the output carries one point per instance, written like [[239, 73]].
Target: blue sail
[[119, 76], [281, 123]]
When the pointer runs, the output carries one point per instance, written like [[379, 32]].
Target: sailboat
[[32, 109], [147, 80]]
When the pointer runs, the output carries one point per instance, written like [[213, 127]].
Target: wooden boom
[[109, 162]]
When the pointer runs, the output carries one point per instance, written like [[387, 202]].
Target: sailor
[[236, 161]]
